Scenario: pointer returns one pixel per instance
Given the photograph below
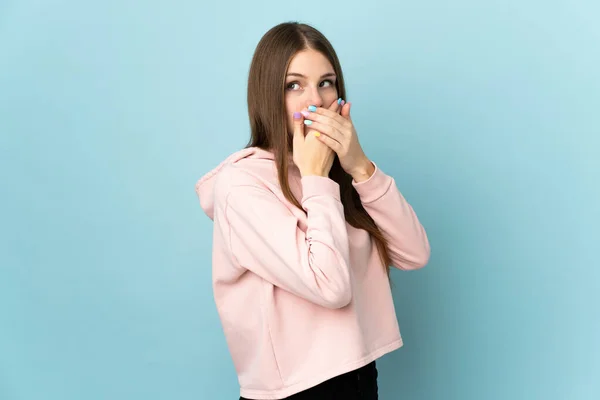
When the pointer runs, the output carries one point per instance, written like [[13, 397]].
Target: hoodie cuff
[[373, 188], [318, 186]]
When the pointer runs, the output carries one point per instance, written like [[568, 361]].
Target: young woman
[[306, 228]]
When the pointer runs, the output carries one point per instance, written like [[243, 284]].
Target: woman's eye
[[296, 85]]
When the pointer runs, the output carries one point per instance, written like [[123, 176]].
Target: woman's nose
[[315, 98]]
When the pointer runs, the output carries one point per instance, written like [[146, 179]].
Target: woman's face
[[310, 80]]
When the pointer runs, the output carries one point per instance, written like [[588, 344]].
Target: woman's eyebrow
[[327, 75]]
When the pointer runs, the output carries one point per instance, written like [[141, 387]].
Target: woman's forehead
[[310, 63]]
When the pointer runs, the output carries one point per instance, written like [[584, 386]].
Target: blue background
[[487, 113]]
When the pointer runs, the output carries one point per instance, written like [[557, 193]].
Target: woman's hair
[[268, 122]]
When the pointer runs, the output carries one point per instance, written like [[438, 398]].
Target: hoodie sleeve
[[265, 238], [407, 241]]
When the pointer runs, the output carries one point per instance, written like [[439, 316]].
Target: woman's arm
[[407, 240], [264, 237]]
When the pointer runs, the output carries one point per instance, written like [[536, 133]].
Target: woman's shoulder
[[250, 167], [248, 172]]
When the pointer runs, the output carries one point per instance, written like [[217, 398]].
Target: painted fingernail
[[312, 108], [307, 122], [343, 102], [340, 100], [305, 113], [297, 115], [317, 134]]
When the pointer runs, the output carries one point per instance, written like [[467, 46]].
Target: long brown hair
[[268, 122]]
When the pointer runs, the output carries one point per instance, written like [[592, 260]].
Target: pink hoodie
[[302, 295]]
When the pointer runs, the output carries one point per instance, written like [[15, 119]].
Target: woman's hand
[[338, 133], [311, 155]]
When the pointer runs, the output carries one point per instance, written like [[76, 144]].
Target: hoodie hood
[[205, 185]]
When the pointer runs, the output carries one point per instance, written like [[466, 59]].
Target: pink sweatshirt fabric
[[302, 296]]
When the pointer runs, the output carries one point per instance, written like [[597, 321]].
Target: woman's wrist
[[364, 171], [314, 173]]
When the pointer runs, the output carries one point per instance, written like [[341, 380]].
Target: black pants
[[360, 384]]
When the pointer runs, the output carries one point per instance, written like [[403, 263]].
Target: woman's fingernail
[[297, 115], [305, 113], [343, 102], [317, 133], [307, 122], [312, 108], [340, 100]]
